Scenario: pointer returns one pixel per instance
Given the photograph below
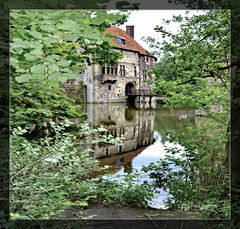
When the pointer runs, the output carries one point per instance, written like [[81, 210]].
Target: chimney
[[130, 30]]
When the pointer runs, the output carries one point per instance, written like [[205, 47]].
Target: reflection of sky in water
[[151, 154]]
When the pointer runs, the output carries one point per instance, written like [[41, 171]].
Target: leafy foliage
[[44, 43], [36, 107], [194, 68], [195, 175], [50, 46], [52, 173], [194, 73]]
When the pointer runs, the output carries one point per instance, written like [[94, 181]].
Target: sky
[[144, 22]]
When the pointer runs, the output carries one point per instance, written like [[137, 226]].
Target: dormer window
[[120, 40]]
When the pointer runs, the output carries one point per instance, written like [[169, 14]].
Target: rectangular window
[[109, 69], [103, 70], [109, 87], [135, 71], [122, 70], [144, 72]]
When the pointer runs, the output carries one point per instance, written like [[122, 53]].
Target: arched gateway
[[128, 88]]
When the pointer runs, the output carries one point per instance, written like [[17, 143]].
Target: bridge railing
[[140, 92], [144, 92]]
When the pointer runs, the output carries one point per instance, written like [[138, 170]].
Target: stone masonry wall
[[113, 90], [75, 90]]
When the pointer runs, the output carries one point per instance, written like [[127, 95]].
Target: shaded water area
[[144, 132]]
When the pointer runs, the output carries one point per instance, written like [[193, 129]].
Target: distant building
[[111, 83]]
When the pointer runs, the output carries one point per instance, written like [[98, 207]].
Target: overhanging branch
[[193, 79], [229, 66]]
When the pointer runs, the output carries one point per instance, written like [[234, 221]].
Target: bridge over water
[[144, 98]]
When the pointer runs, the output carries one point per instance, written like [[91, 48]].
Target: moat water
[[144, 132]]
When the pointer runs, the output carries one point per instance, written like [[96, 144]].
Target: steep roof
[[130, 43]]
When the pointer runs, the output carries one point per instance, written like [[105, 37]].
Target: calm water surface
[[144, 132]]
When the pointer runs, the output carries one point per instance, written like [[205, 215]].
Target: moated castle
[[124, 81]]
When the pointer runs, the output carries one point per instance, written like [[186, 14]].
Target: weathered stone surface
[[103, 88], [75, 90]]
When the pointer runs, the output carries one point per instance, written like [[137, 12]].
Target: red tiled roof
[[130, 43]]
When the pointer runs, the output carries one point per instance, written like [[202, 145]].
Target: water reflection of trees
[[197, 175], [166, 122]]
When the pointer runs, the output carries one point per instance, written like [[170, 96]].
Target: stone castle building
[[112, 83]]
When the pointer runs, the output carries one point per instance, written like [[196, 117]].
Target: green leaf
[[97, 21], [13, 61], [48, 41], [19, 43], [82, 204], [54, 77], [48, 28], [18, 216], [37, 52], [38, 69], [91, 34], [52, 58], [30, 57], [68, 203], [64, 63], [52, 68], [102, 129], [71, 37], [21, 70], [65, 76], [15, 15], [68, 25], [23, 78], [99, 42], [35, 34], [66, 70], [18, 50]]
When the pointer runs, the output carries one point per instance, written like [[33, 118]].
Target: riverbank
[[126, 212]]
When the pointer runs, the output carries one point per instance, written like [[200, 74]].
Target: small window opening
[[120, 40], [122, 70], [135, 71]]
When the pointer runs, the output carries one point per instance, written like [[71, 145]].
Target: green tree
[[193, 70], [50, 46]]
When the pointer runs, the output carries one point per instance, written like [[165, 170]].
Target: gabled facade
[[111, 83]]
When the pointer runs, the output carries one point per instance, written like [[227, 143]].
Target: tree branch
[[219, 77], [29, 166], [229, 66], [193, 79]]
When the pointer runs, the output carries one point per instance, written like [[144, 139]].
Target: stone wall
[[111, 88], [114, 91], [109, 92], [75, 90]]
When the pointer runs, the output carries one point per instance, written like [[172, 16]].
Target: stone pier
[[145, 101]]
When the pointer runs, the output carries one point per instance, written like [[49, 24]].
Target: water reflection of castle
[[135, 125]]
